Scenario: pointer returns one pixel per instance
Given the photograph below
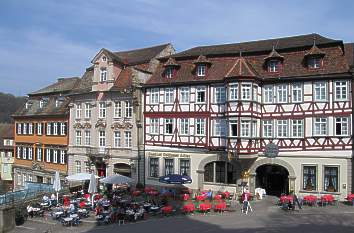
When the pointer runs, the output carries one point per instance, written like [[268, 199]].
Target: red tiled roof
[[124, 80], [293, 66]]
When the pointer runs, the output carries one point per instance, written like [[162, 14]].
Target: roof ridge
[[139, 49]]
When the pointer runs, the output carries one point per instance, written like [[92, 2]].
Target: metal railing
[[32, 190]]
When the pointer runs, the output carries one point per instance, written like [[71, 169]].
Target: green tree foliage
[[8, 105]]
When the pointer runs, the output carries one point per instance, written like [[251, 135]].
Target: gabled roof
[[170, 62], [258, 46], [274, 55], [139, 56], [202, 60], [314, 51], [85, 83], [349, 53], [241, 68], [6, 132], [62, 85]]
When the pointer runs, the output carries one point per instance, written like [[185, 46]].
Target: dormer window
[[169, 72], [314, 62], [274, 66], [104, 58], [201, 70], [41, 103], [171, 67], [103, 75]]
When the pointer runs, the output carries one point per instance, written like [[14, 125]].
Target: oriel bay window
[[184, 167], [245, 128], [154, 167], [220, 172], [233, 92], [169, 166], [246, 91], [331, 179], [309, 178]]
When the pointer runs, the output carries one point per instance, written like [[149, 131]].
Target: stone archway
[[272, 161]]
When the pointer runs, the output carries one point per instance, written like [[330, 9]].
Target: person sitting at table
[[72, 208], [98, 210], [53, 200], [45, 198], [30, 210]]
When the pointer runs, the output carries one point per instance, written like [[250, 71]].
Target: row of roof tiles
[[224, 61]]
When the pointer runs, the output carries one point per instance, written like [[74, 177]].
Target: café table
[[67, 221]]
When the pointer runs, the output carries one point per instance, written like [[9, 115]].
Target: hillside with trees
[[8, 105]]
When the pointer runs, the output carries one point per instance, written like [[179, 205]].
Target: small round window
[[104, 58]]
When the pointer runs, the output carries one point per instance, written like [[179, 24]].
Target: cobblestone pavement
[[266, 218]]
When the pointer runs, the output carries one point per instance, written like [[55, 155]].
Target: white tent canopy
[[116, 179], [80, 177]]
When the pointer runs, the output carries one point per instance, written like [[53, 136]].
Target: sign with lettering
[[271, 150], [169, 155]]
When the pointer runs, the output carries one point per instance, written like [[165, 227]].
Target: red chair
[[166, 210]]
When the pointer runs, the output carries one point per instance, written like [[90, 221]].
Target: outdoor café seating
[[204, 207], [310, 200], [188, 208], [220, 206], [350, 199]]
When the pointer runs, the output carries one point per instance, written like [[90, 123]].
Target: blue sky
[[42, 40]]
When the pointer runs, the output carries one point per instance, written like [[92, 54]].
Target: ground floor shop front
[[316, 173]]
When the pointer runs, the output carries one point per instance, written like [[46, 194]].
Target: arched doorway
[[273, 178], [122, 169]]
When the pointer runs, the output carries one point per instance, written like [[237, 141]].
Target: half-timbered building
[[274, 113]]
